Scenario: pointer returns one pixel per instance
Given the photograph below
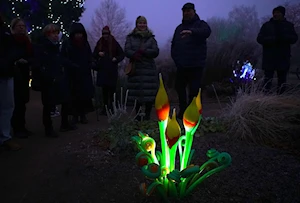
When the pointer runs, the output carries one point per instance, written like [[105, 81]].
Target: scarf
[[79, 42], [144, 34], [109, 46], [23, 40]]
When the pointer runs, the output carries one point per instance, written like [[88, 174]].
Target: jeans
[[6, 108]]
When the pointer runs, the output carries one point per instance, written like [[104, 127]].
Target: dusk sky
[[164, 15]]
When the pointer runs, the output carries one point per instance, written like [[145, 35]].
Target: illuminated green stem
[[189, 136], [164, 149], [173, 157], [187, 149], [182, 186], [154, 158]]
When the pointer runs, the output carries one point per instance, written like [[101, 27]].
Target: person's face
[[78, 36], [53, 36], [188, 14], [105, 35], [20, 28], [277, 15], [142, 25]]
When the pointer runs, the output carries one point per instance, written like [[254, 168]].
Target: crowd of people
[[62, 72]]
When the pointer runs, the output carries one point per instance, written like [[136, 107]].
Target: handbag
[[130, 68]]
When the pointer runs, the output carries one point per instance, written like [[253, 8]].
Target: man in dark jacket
[[276, 37], [6, 88], [189, 52]]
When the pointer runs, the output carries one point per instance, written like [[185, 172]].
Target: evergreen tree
[[39, 13]]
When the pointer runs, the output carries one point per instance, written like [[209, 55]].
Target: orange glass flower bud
[[191, 115], [173, 130], [162, 104]]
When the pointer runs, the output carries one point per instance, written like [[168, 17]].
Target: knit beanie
[[280, 9], [106, 30], [140, 19], [188, 6]]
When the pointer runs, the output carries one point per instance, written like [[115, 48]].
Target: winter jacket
[[143, 84], [6, 57], [50, 67], [190, 51], [276, 38], [107, 70], [79, 70]]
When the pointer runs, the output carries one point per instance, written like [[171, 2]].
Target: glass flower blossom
[[191, 115], [173, 130], [162, 104]]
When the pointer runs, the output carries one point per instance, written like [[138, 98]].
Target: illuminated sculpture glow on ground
[[169, 180]]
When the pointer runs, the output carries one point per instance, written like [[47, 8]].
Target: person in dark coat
[[276, 37], [78, 51], [189, 51], [6, 87], [51, 68], [141, 48], [23, 51], [108, 53]]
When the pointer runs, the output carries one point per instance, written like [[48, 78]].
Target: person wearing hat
[[108, 53], [141, 48], [77, 50], [276, 37], [189, 50]]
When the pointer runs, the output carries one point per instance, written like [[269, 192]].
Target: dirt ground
[[76, 167]]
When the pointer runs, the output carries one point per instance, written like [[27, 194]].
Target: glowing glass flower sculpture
[[173, 130], [160, 166], [162, 104]]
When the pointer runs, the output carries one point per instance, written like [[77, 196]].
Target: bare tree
[[246, 19], [111, 14]]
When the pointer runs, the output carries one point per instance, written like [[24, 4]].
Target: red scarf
[[23, 40], [78, 42], [109, 45]]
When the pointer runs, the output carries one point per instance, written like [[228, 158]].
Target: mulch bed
[[91, 173]]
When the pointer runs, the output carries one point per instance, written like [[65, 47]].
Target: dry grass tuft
[[264, 119]]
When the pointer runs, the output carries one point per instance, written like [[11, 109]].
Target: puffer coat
[[143, 84]]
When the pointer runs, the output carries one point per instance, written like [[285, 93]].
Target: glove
[[137, 56]]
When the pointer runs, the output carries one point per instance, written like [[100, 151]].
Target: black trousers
[[108, 95], [47, 120], [18, 118], [281, 76], [191, 78], [47, 109]]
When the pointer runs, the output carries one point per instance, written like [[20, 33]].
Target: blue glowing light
[[246, 73]]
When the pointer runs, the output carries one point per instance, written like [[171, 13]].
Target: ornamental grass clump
[[264, 118]]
